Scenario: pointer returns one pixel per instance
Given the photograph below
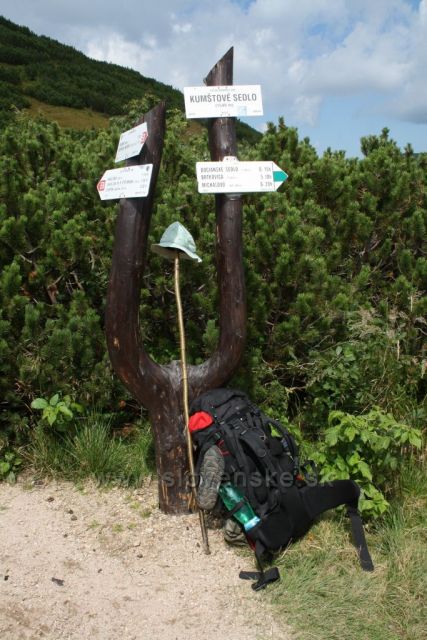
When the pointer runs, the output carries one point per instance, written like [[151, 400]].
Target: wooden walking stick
[[175, 242], [186, 412]]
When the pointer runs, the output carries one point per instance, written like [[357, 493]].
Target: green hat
[[176, 238]]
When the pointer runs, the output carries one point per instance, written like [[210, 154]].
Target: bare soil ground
[[80, 562]]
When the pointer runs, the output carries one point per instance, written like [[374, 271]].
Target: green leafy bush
[[369, 449], [10, 463], [375, 365], [57, 412]]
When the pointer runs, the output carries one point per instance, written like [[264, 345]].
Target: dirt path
[[82, 563]]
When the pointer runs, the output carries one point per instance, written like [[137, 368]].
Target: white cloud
[[182, 28], [411, 102], [300, 52], [113, 48], [307, 108], [362, 61], [341, 49]]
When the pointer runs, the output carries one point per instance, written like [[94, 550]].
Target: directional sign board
[[131, 142], [223, 101], [128, 182], [238, 177]]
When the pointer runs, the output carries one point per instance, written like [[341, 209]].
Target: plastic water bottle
[[231, 496]]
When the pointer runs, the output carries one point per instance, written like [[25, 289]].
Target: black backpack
[[261, 459]]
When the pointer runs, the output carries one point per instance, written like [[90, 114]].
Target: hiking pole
[[185, 402], [175, 242]]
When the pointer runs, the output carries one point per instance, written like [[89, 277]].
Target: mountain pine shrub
[[335, 270]]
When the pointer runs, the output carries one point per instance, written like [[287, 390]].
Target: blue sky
[[336, 69]]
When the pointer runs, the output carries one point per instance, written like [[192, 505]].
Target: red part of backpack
[[199, 420]]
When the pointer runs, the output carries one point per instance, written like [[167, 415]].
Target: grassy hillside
[[68, 116], [37, 68], [42, 68]]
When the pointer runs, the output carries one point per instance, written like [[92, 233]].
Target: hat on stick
[[176, 238]]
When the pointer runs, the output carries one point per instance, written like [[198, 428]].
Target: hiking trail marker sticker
[[127, 182], [233, 176], [131, 142], [223, 101]]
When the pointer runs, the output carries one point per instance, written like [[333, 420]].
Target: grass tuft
[[94, 451], [91, 451], [47, 452]]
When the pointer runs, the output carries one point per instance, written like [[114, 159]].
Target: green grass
[[92, 452], [48, 454], [67, 116], [323, 593]]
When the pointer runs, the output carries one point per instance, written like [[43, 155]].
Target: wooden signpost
[[159, 387]]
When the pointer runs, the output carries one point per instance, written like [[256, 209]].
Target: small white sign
[[127, 182], [223, 101], [131, 142], [238, 177]]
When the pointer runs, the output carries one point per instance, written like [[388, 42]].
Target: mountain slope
[[37, 67], [52, 72]]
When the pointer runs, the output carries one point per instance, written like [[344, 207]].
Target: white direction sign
[[131, 142], [128, 182], [238, 177], [223, 101]]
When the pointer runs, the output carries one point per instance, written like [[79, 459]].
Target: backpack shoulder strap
[[359, 539], [321, 497], [232, 441]]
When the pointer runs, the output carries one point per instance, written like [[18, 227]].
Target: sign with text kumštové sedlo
[[131, 142], [223, 101], [239, 177], [127, 182]]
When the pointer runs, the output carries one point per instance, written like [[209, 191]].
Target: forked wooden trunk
[[158, 387]]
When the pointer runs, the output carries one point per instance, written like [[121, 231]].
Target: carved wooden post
[[158, 387], [231, 281]]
